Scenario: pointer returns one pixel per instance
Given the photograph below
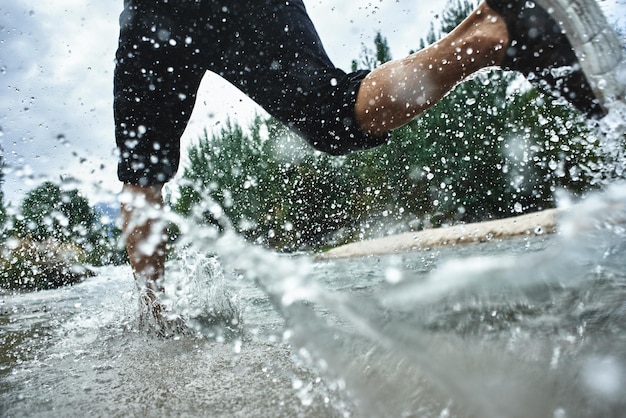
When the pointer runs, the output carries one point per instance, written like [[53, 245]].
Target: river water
[[531, 327]]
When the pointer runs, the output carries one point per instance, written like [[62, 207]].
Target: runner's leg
[[396, 92], [278, 60], [154, 94]]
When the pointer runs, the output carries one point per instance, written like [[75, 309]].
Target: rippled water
[[519, 328], [79, 351]]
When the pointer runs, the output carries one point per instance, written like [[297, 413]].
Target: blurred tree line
[[494, 147]]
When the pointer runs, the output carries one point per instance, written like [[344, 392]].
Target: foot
[[564, 61], [154, 317]]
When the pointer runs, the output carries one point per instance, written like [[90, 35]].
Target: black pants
[[267, 48]]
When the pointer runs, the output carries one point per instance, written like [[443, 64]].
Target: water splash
[[197, 291], [464, 339], [470, 337]]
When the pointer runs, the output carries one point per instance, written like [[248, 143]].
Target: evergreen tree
[[383, 52], [273, 188], [371, 59], [453, 14], [430, 38]]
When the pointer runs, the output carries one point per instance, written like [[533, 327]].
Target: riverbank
[[538, 223]]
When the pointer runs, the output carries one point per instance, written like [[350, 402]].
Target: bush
[[30, 265], [53, 212]]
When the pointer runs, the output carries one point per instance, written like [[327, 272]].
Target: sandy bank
[[532, 224]]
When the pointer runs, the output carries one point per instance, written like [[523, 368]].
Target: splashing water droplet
[[604, 376], [393, 275]]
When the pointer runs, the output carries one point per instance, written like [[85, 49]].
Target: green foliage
[[481, 153], [30, 265], [55, 233], [273, 188], [51, 213], [454, 13], [383, 52]]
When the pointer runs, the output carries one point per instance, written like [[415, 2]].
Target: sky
[[56, 70]]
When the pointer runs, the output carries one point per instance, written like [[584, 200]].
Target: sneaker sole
[[596, 45]]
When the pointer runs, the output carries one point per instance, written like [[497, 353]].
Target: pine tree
[[370, 59]]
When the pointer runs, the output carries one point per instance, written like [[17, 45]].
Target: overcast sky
[[56, 66]]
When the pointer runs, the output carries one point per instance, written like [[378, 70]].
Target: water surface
[[517, 328]]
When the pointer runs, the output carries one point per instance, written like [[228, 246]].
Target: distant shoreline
[[538, 223]]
